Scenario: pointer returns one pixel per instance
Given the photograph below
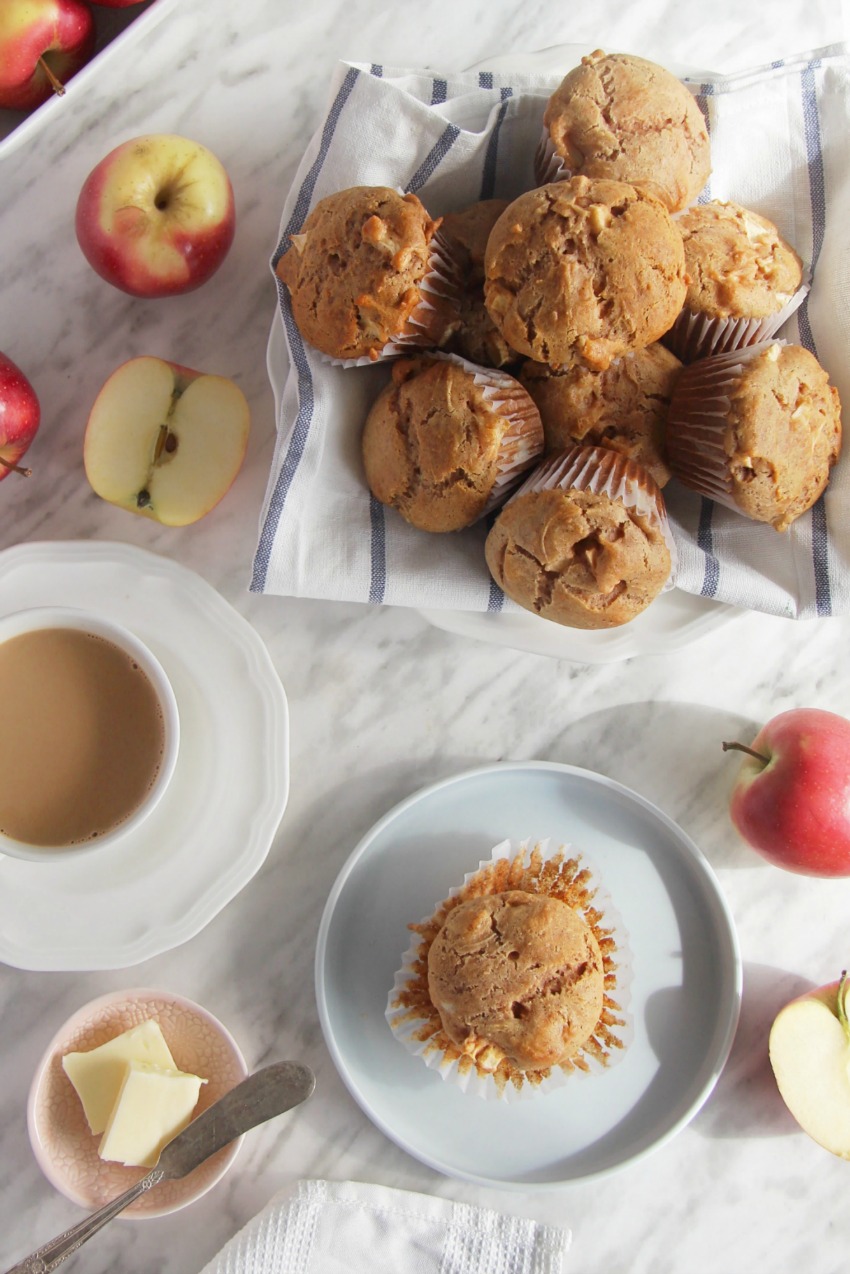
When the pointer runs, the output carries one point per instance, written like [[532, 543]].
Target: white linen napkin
[[780, 145], [322, 1227]]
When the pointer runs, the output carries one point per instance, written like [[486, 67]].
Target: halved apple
[[810, 1054], [165, 441]]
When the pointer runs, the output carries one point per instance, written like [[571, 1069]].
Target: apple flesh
[[809, 1049], [791, 800], [20, 415], [165, 441], [42, 44], [156, 217]]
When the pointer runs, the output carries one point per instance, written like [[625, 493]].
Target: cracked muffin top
[[758, 431], [583, 271], [623, 407], [444, 437], [477, 337], [355, 274], [584, 542], [520, 971], [620, 116], [737, 262]]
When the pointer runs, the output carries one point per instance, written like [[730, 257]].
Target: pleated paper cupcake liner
[[696, 336], [543, 868], [606, 472]]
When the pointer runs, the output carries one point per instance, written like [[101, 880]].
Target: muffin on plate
[[744, 280], [621, 117], [446, 441], [476, 338], [584, 271], [757, 430], [518, 979], [623, 408], [585, 540], [368, 275]]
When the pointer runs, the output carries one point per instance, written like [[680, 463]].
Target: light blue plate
[[685, 994]]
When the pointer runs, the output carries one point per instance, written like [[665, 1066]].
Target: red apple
[[42, 44], [114, 4], [791, 800], [19, 416], [156, 216], [165, 441]]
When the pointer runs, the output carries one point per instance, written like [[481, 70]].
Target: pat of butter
[[98, 1074], [152, 1107]]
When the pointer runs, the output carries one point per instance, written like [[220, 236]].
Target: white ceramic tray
[[215, 824], [117, 31], [684, 996]]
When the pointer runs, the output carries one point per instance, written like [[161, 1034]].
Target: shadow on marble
[[746, 1101], [670, 753]]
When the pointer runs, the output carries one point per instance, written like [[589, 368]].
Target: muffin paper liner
[[606, 472], [548, 164], [523, 442], [698, 419], [695, 336], [436, 315], [561, 872]]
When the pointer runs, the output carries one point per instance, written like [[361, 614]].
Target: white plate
[[214, 826], [684, 998]]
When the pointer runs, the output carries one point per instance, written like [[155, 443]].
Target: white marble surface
[[382, 703]]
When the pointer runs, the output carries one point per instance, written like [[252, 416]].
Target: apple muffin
[[368, 275], [518, 979], [585, 541], [446, 441], [744, 280], [757, 430], [584, 271], [622, 117], [623, 407], [476, 338], [519, 971]]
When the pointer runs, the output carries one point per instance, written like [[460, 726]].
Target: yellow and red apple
[[20, 415], [165, 441], [791, 800], [42, 44], [809, 1049], [156, 217]]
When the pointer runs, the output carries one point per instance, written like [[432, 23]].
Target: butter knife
[[261, 1096]]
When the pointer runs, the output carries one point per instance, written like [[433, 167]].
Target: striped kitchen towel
[[780, 145]]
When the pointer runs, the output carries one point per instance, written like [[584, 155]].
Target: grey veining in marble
[[382, 703]]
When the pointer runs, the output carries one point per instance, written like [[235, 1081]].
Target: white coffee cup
[[41, 618]]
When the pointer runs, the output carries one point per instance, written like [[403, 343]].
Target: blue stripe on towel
[[377, 70], [488, 179], [817, 195], [434, 158], [439, 92], [705, 531], [378, 582], [485, 79], [301, 429]]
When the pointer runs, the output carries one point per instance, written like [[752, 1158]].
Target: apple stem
[[55, 83], [742, 747], [16, 468]]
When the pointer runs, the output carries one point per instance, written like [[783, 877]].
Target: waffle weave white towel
[[321, 1227], [780, 145]]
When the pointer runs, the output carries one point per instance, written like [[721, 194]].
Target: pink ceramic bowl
[[64, 1147]]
